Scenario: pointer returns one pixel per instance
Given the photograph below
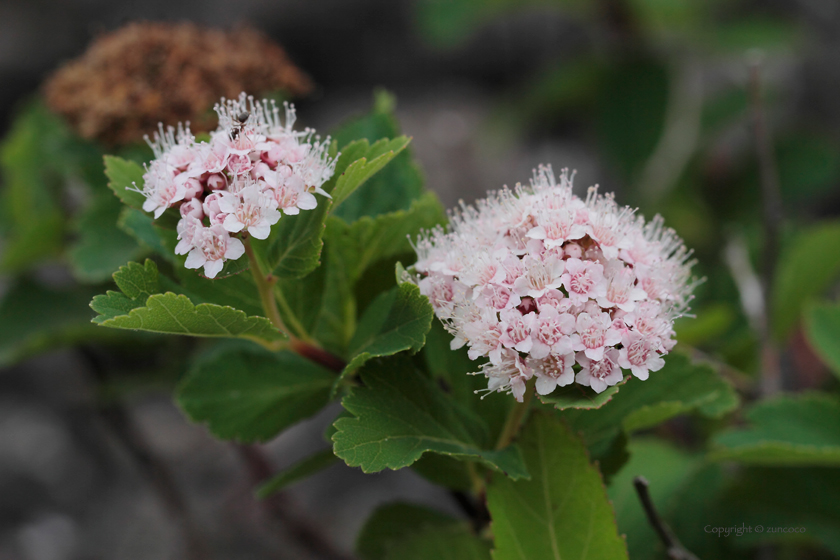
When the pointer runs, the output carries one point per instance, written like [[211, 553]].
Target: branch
[[304, 530], [771, 379], [118, 419], [673, 547]]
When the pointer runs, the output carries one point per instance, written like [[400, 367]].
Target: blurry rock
[[133, 78]]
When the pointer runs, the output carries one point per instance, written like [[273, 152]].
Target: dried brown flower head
[[131, 79]]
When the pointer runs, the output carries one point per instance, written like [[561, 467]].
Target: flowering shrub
[[538, 280], [323, 264]]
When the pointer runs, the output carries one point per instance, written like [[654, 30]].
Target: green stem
[[265, 287], [306, 348], [516, 416], [294, 324], [476, 479]]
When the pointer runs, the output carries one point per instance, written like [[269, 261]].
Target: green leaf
[[293, 249], [124, 175], [141, 226], [823, 328], [175, 314], [450, 23], [249, 394], [356, 256], [452, 368], [300, 470], [809, 166], [136, 281], [677, 388], [683, 487], [30, 200], [562, 511], [631, 113], [806, 498], [807, 267], [788, 430], [401, 414], [364, 166], [397, 184], [393, 522], [368, 240], [141, 306], [34, 318], [396, 321], [738, 37], [455, 542], [102, 247], [579, 397], [236, 291]]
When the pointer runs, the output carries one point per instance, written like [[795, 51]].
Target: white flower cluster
[[254, 167], [538, 280]]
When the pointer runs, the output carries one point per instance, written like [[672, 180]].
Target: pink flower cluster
[[546, 284], [254, 167]]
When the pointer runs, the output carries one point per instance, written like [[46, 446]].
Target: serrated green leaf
[[123, 176], [236, 291], [452, 369], [136, 281], [400, 415], [102, 247], [397, 184], [355, 257], [562, 511], [141, 306], [368, 240], [175, 314], [250, 394], [677, 388], [579, 397], [454, 542], [393, 522], [293, 249], [807, 267], [375, 157], [300, 470], [823, 329], [796, 430], [396, 321]]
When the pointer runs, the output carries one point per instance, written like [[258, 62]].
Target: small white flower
[[553, 371], [249, 209], [212, 247], [599, 374]]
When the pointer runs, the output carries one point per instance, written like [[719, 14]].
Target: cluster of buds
[[545, 284], [254, 168]]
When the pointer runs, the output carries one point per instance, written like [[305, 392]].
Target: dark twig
[[277, 507], [673, 547], [119, 420], [771, 379]]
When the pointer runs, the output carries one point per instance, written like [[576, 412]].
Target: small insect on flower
[[255, 168], [237, 123], [543, 283]]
